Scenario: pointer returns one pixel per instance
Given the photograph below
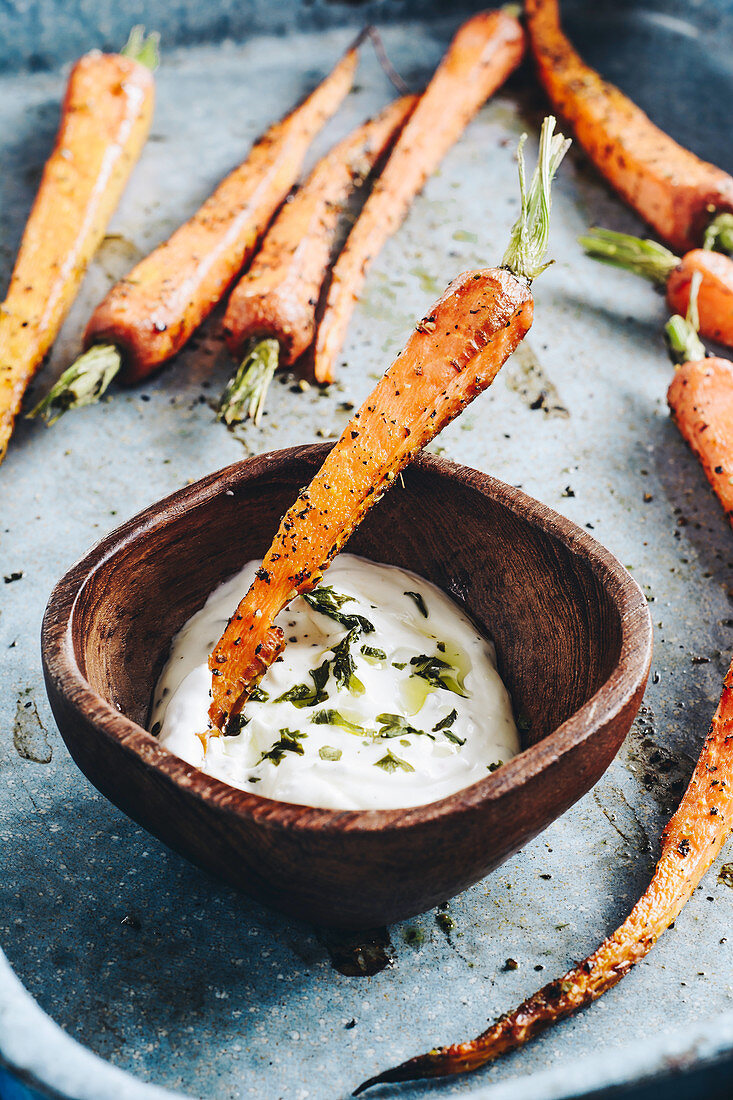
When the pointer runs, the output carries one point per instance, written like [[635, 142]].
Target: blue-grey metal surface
[[143, 959]]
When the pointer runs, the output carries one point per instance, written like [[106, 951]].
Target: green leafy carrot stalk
[[143, 48], [246, 391], [83, 383], [643, 257]]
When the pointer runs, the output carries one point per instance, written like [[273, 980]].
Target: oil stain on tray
[[525, 375], [29, 734]]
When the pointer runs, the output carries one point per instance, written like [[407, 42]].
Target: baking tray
[[129, 973]]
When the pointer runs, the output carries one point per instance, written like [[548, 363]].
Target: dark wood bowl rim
[[604, 705]]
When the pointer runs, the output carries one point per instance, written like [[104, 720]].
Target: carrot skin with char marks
[[483, 53], [672, 189], [700, 398], [690, 843], [151, 313], [452, 355], [279, 293], [105, 120]]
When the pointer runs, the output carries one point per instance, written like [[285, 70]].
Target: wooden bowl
[[571, 628]]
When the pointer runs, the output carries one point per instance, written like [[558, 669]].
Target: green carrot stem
[[719, 234], [643, 257], [83, 383], [245, 393], [528, 241], [683, 343], [143, 48]]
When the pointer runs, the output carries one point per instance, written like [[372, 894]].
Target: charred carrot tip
[[378, 45], [389, 1076]]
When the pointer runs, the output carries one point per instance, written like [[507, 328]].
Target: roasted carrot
[[655, 262], [700, 398], [690, 843], [148, 316], [672, 189], [275, 302], [483, 53], [105, 119], [452, 355]]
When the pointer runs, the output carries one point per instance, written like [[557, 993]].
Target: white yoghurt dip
[[349, 717]]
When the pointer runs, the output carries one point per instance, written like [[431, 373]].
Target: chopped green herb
[[326, 595], [319, 676], [344, 669], [373, 654], [523, 723], [440, 646], [289, 741], [394, 725], [390, 763], [330, 603], [445, 722], [493, 767], [399, 664], [420, 603], [444, 725], [438, 673], [258, 694], [335, 718], [327, 753], [235, 724], [302, 695]]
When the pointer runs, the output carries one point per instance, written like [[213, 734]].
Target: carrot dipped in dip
[[452, 355]]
